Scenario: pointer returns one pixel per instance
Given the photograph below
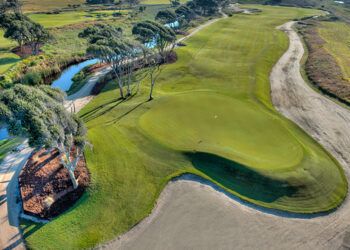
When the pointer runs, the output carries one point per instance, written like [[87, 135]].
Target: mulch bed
[[45, 186]]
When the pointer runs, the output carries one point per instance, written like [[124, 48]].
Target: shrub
[[32, 78]]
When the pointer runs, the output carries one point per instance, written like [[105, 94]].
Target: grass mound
[[212, 117]]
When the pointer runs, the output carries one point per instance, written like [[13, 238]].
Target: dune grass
[[213, 117], [337, 38]]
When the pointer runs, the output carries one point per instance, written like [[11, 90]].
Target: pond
[[64, 82], [4, 134], [173, 25]]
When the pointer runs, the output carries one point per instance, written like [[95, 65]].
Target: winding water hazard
[[193, 214]]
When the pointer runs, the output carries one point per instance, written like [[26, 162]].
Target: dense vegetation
[[37, 113], [20, 28]]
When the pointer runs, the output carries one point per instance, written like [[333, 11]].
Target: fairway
[[212, 116]]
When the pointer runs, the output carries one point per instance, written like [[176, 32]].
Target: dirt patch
[[45, 186], [321, 68], [25, 51]]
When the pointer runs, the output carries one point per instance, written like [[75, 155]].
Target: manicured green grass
[[213, 117], [337, 37]]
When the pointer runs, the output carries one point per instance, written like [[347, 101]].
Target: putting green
[[209, 122], [247, 149], [211, 116]]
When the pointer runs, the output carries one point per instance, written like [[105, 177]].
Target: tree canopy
[[166, 16], [152, 32], [100, 32], [204, 7], [38, 114], [108, 44], [23, 30], [184, 12], [99, 1]]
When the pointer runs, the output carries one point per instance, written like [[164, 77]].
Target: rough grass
[[327, 63], [213, 117]]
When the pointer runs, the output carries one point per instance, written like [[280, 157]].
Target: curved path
[[10, 235], [192, 214]]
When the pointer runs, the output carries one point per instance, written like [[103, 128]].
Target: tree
[[164, 41], [108, 44], [38, 114], [14, 6], [175, 3], [24, 31], [166, 16], [100, 32], [19, 32], [39, 35], [204, 7], [184, 12], [162, 37], [99, 1], [121, 54], [154, 70]]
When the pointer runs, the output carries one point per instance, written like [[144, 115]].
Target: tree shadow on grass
[[125, 114], [8, 60], [28, 228], [240, 178], [101, 110]]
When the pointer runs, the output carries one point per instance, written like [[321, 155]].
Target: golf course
[[212, 116]]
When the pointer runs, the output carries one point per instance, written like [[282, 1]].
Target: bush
[[32, 78], [117, 14]]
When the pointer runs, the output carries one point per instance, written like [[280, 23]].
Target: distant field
[[45, 5], [71, 17], [212, 116], [66, 41], [159, 1], [337, 37]]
